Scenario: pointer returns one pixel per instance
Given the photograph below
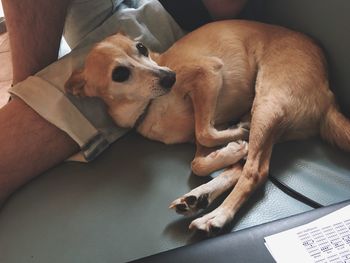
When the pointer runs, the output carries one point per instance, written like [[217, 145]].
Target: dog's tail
[[335, 128]]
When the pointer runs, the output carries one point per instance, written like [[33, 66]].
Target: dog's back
[[290, 65]]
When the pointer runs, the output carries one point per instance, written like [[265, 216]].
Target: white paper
[[326, 239]]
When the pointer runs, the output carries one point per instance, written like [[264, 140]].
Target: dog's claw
[[180, 207], [172, 206]]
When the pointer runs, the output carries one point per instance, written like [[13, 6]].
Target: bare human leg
[[29, 144], [35, 30]]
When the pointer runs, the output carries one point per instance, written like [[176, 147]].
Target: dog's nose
[[167, 79]]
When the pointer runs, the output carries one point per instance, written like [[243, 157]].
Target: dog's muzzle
[[167, 79]]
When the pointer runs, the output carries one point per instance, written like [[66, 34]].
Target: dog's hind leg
[[202, 196], [204, 163], [208, 160], [265, 130], [204, 95]]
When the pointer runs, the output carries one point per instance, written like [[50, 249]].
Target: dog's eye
[[120, 74], [142, 49]]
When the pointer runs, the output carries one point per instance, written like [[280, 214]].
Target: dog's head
[[121, 72]]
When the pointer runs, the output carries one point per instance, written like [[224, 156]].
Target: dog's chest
[[169, 120]]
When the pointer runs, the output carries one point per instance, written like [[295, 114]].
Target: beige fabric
[[70, 120], [84, 16]]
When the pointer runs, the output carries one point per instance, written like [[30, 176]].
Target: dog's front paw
[[213, 222], [190, 204]]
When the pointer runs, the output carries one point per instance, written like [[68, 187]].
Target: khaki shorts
[[86, 120]]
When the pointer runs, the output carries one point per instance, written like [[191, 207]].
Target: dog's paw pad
[[191, 200], [214, 230], [200, 202], [190, 204], [181, 208]]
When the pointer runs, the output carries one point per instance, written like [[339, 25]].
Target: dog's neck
[[141, 118], [127, 113]]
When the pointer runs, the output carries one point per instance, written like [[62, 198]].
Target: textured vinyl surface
[[315, 169], [241, 247], [115, 209]]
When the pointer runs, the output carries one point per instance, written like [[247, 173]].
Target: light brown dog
[[226, 72]]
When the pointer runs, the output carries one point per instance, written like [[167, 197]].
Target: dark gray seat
[[243, 246], [314, 169], [115, 208]]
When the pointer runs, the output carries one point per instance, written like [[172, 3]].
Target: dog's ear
[[76, 83]]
